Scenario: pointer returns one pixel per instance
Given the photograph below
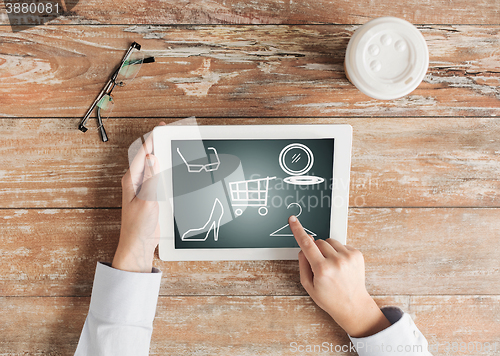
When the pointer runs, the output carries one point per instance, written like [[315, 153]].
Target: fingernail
[[150, 161], [293, 218]]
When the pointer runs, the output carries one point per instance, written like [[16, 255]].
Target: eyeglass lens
[[127, 72], [105, 106], [130, 67]]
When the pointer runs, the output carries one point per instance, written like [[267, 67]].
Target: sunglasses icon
[[197, 168]]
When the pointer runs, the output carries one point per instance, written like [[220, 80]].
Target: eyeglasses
[[126, 72], [197, 168]]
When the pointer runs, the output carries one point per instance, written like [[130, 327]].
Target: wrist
[[365, 318], [133, 259]]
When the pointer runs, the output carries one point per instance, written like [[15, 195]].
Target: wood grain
[[459, 314], [396, 162], [258, 325], [237, 71], [268, 12], [53, 252], [424, 193]]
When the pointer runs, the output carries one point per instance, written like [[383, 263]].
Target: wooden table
[[425, 190]]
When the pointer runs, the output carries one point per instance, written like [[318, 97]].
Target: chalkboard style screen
[[240, 193]]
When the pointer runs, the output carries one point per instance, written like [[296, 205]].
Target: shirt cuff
[[124, 297], [402, 335]]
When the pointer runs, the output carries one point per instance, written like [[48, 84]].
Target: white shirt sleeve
[[401, 338], [121, 313]]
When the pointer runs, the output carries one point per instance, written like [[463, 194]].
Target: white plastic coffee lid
[[387, 58]]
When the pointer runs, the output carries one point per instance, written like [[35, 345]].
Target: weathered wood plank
[[42, 250], [53, 252], [237, 71], [258, 325], [448, 322], [268, 325], [269, 11], [396, 162]]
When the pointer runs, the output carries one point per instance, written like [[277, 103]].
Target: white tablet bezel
[[162, 137]]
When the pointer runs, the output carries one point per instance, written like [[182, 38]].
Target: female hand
[[140, 233], [334, 277]]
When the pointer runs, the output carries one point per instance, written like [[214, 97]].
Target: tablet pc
[[229, 190]]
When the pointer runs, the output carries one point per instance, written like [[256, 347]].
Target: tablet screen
[[240, 193]]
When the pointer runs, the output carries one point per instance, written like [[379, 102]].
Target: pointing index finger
[[306, 243]]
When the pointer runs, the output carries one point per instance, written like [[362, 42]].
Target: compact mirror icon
[[297, 160]]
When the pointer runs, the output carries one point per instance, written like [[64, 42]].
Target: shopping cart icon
[[252, 192]]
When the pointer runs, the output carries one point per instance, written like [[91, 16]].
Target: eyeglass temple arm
[[102, 131], [109, 85], [216, 155]]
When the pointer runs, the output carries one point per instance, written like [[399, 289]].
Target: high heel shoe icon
[[213, 221]]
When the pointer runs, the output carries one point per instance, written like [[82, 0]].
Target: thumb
[[150, 167], [150, 179]]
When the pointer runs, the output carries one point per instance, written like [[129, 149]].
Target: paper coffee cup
[[386, 58]]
